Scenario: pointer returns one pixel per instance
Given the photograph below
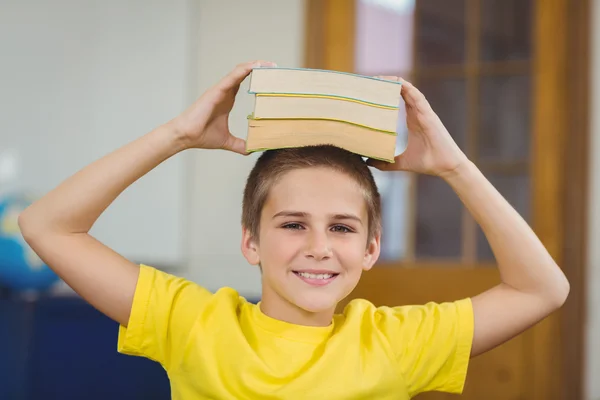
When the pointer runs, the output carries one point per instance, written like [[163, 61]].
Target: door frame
[[560, 137]]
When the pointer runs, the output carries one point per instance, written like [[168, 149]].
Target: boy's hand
[[430, 150], [205, 124]]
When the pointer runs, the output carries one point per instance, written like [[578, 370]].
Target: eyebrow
[[301, 214]]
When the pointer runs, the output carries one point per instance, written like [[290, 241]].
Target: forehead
[[316, 190]]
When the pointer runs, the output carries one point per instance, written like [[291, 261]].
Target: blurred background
[[516, 82]]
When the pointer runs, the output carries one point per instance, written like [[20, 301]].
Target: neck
[[274, 306]]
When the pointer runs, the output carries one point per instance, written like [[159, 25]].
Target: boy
[[311, 221]]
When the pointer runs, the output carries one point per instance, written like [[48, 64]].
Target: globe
[[20, 268]]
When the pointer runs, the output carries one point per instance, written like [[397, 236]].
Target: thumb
[[380, 165], [235, 144]]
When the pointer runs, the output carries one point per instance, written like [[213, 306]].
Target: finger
[[389, 78], [240, 72], [235, 144], [400, 163], [380, 165], [413, 97]]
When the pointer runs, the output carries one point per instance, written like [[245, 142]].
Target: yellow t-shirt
[[219, 346]]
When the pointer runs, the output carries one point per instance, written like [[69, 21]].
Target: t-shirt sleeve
[[164, 311], [431, 343]]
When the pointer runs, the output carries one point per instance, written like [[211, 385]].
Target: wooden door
[[495, 71]]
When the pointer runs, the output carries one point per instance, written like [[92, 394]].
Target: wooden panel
[[339, 35], [422, 282], [313, 27], [576, 200], [329, 38], [550, 129]]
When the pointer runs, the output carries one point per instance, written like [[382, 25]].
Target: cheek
[[352, 252], [279, 246]]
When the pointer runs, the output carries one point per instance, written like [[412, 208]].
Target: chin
[[317, 305]]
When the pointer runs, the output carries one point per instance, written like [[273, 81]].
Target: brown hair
[[273, 164]]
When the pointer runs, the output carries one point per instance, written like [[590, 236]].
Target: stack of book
[[303, 107]]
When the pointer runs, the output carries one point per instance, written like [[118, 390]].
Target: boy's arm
[[533, 286], [57, 225]]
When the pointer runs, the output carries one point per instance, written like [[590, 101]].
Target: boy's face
[[313, 240]]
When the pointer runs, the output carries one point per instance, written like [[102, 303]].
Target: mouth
[[316, 279]]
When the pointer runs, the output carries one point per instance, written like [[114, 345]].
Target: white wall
[[231, 32], [79, 79], [592, 380]]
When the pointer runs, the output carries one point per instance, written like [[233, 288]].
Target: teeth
[[315, 276]]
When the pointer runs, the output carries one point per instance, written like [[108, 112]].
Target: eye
[[293, 226], [341, 229]]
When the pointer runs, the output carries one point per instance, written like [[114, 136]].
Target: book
[[277, 80], [302, 107], [266, 134], [325, 107]]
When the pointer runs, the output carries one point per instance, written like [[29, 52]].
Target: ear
[[372, 252], [249, 247]]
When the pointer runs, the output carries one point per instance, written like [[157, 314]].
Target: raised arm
[[57, 225], [533, 286]]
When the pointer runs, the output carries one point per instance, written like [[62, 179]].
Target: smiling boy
[[311, 220]]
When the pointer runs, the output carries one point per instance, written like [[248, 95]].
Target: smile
[[316, 279]]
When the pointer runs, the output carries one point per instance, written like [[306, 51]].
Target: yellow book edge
[[393, 133], [323, 96], [391, 160]]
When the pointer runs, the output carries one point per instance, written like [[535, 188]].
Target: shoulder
[[408, 318], [430, 343], [163, 289], [362, 306], [168, 311]]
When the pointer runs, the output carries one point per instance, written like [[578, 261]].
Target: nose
[[318, 246]]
